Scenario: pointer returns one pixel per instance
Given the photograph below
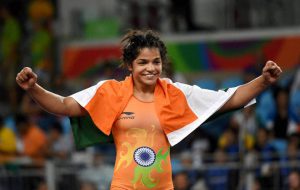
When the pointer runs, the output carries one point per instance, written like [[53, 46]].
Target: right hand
[[26, 78]]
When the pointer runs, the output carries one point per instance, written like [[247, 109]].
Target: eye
[[142, 62], [157, 62]]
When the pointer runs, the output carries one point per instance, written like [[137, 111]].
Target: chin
[[150, 82]]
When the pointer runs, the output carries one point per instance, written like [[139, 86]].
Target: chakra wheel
[[144, 156]]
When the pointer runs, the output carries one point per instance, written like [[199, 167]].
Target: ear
[[129, 67]]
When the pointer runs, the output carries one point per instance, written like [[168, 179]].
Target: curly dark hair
[[135, 40]]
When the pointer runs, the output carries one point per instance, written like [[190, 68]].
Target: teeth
[[149, 75]]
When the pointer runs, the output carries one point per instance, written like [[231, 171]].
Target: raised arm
[[245, 93], [51, 102]]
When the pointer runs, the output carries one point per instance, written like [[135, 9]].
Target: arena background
[[212, 44]]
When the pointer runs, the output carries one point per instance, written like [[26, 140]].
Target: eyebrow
[[142, 59]]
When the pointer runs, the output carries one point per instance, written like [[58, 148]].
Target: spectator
[[263, 146], [266, 154], [59, 145], [247, 120], [186, 164], [7, 142], [199, 148], [217, 177], [40, 10], [294, 180], [9, 51], [181, 181], [247, 124], [289, 160], [41, 42], [280, 123], [99, 173], [229, 143], [33, 140]]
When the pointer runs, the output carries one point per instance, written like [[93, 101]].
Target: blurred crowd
[[257, 146], [249, 140], [211, 15], [26, 39]]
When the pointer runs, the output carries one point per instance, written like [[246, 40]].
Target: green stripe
[[190, 53], [176, 58]]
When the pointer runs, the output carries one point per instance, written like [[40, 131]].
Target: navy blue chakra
[[144, 156]]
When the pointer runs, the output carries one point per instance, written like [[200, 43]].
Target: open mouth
[[150, 76]]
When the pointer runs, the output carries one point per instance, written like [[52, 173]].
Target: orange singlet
[[143, 151]]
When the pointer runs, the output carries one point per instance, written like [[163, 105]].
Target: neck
[[144, 89], [144, 93]]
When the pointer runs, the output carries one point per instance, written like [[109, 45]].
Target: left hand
[[271, 72]]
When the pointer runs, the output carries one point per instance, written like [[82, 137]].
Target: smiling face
[[146, 68]]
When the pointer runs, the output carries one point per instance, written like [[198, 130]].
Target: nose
[[150, 67]]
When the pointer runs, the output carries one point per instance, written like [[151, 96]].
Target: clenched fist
[[26, 78], [271, 72]]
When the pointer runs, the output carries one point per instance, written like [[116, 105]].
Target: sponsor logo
[[127, 115]]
